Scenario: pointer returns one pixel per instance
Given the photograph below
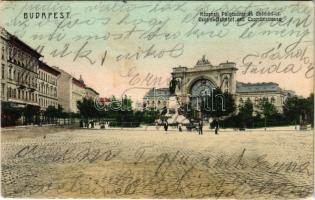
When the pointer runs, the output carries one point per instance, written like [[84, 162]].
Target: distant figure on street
[[86, 123], [200, 124], [180, 127], [165, 125], [216, 126], [92, 124], [156, 125], [102, 125], [81, 123]]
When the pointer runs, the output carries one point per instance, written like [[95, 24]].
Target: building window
[[9, 92], [2, 89], [10, 53], [2, 55], [272, 99], [10, 72], [12, 93], [2, 71]]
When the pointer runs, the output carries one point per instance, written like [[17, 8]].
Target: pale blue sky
[[104, 19]]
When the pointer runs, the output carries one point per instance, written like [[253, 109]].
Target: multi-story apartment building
[[78, 93], [47, 86], [26, 80], [70, 90], [19, 71]]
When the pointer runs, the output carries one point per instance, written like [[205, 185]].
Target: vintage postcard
[[157, 99]]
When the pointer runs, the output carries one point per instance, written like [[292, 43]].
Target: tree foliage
[[266, 108], [296, 108], [53, 112], [87, 108], [31, 111], [245, 113], [218, 105]]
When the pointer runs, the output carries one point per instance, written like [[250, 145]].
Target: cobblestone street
[[54, 162]]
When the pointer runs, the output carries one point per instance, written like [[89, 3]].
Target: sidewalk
[[205, 129], [9, 128], [152, 128]]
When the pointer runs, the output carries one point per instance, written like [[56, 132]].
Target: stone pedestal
[[172, 112]]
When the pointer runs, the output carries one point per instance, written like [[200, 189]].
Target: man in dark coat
[[165, 125], [216, 126], [200, 127]]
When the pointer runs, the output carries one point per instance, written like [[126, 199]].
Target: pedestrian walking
[[216, 126], [165, 125], [86, 123], [81, 123], [200, 126], [180, 127]]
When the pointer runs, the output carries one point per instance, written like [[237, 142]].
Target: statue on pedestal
[[174, 117], [173, 83], [172, 86]]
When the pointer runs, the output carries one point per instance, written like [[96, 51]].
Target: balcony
[[24, 84]]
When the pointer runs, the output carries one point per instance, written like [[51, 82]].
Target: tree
[[52, 112], [30, 111], [292, 109], [9, 114], [266, 108], [150, 115], [246, 113], [295, 107], [87, 108], [218, 105], [310, 108]]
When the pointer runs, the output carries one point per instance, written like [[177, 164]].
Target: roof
[[88, 88], [158, 92], [104, 99], [289, 93], [257, 87], [48, 68], [78, 82], [18, 42]]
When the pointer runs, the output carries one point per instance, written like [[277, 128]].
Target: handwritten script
[[109, 171], [104, 33]]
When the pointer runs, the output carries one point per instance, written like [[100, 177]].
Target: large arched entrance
[[200, 90]]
